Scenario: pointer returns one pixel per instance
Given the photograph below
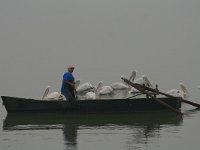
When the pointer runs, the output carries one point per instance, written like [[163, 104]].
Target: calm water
[[147, 130]]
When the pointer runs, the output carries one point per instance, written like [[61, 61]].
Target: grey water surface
[[103, 40]]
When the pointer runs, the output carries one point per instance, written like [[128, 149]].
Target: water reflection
[[145, 125], [191, 112], [70, 134]]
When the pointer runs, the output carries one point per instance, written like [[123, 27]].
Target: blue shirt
[[68, 76]]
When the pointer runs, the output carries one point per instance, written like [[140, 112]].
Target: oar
[[157, 91], [183, 100], [143, 90], [134, 95], [163, 103], [168, 95]]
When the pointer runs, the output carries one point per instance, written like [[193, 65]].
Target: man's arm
[[70, 83]]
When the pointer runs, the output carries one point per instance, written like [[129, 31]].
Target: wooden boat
[[150, 102], [16, 104]]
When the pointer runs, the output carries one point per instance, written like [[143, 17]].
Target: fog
[[102, 39]]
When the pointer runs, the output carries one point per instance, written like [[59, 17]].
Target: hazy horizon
[[103, 39]]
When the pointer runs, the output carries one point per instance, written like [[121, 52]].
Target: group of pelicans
[[90, 91]]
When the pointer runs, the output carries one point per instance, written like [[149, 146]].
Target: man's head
[[70, 68]]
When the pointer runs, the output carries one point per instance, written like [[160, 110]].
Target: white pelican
[[92, 94], [98, 90], [142, 80], [104, 90], [183, 92], [83, 87], [146, 81], [52, 96], [133, 90], [120, 85], [77, 83]]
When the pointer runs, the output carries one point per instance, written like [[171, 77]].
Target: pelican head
[[77, 83], [146, 81], [46, 92], [99, 85], [133, 75], [183, 89]]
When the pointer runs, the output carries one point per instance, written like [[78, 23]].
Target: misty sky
[[103, 39]]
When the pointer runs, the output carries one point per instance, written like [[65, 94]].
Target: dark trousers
[[69, 95]]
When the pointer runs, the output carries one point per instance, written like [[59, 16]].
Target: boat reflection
[[148, 123]]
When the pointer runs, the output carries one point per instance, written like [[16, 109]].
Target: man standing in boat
[[68, 84]]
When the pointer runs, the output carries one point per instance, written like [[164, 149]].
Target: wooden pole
[[134, 95], [191, 103], [144, 90], [183, 100], [163, 103], [157, 91]]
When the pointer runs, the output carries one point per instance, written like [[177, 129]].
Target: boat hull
[[15, 104]]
